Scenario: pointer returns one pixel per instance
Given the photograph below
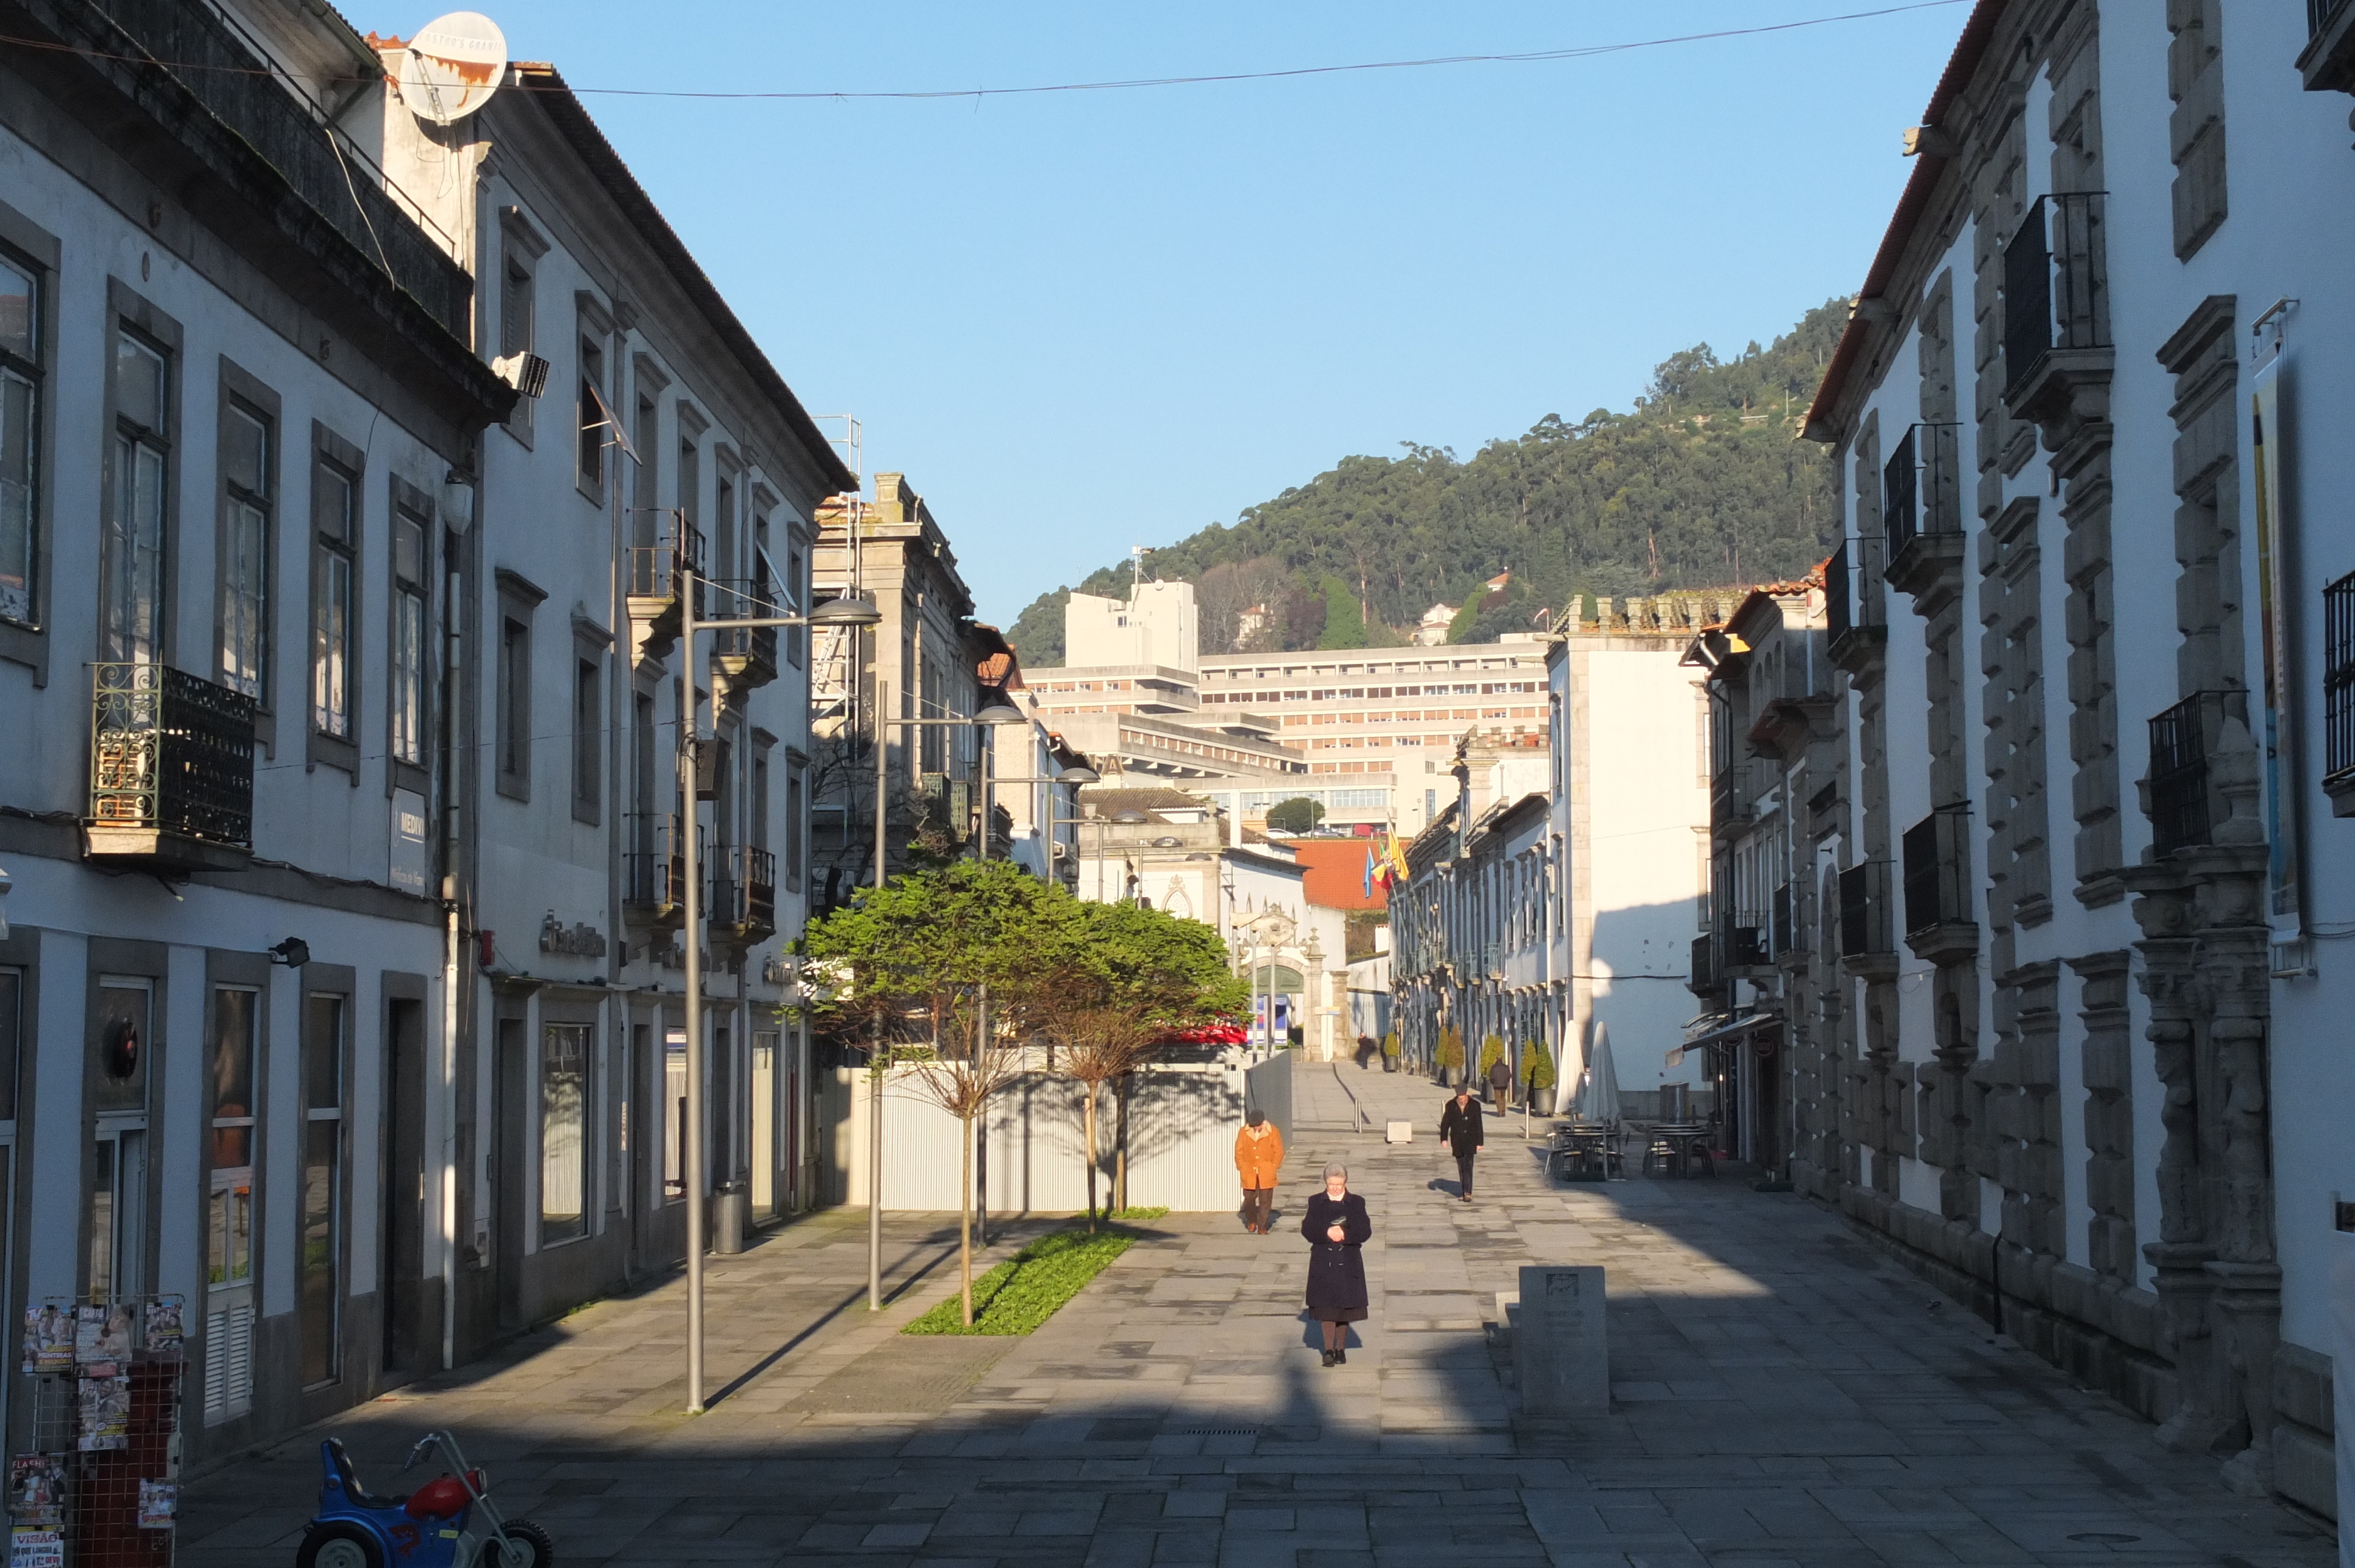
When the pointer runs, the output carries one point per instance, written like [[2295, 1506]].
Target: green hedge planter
[[1024, 1290]]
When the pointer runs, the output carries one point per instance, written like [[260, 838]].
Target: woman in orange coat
[[1259, 1154]]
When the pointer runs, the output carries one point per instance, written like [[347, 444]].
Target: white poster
[[410, 859]]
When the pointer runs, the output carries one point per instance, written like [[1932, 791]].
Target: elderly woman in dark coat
[[1336, 1227]]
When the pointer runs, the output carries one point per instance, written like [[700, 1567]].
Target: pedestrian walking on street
[[1500, 1081], [1259, 1155], [1460, 1130], [1336, 1226]]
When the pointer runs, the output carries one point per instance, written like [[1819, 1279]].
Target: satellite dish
[[452, 66]]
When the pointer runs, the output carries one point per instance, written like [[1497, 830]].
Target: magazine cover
[[103, 1338], [36, 1549], [37, 1490], [105, 1412], [158, 1500], [165, 1329], [49, 1337]]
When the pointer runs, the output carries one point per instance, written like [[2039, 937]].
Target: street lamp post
[[846, 612], [996, 714]]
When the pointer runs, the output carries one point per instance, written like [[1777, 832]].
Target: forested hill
[[1703, 484]]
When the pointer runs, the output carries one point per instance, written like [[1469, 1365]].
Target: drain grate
[[2104, 1537], [1214, 1432]]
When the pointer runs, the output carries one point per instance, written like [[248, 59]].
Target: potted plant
[[1451, 1055], [1492, 1051], [1391, 1051], [1541, 1082]]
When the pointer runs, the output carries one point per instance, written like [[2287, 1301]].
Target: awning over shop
[[1725, 1032]]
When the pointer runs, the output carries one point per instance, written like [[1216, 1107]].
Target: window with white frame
[[335, 532], [20, 432], [130, 546], [412, 561], [245, 512], [563, 1133]]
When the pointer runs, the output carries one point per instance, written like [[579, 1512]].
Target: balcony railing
[[744, 891], [752, 650], [655, 568], [1785, 920], [2182, 739], [208, 60], [2053, 288], [1864, 910], [1839, 595], [171, 759], [1703, 977], [655, 884], [1937, 854], [1914, 486], [2338, 679], [1741, 942]]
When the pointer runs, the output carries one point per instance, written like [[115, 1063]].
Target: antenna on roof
[[452, 67]]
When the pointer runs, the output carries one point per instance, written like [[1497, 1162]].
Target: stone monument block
[[1559, 1345], [1399, 1132]]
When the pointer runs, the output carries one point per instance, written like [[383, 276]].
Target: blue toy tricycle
[[449, 1522]]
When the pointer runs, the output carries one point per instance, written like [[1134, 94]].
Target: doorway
[[404, 1186], [764, 1124]]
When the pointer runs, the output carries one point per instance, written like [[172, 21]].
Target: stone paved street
[[1781, 1397]]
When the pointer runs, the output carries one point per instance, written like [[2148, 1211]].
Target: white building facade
[[2099, 709]]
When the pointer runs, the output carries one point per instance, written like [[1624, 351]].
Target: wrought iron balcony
[[171, 769], [743, 894], [1703, 978], [1920, 526], [654, 881], [1742, 945], [747, 655], [2327, 62], [1784, 920], [2339, 684], [2055, 294], [1864, 910], [1839, 595], [1937, 856], [2182, 739], [657, 584]]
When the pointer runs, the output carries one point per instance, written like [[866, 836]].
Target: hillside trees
[[1702, 483]]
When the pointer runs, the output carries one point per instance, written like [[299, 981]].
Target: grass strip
[[1024, 1291]]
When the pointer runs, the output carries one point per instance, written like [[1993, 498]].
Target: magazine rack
[[100, 1486]]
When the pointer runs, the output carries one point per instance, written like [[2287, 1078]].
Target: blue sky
[[1083, 321]]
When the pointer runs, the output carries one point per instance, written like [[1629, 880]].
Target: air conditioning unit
[[526, 373]]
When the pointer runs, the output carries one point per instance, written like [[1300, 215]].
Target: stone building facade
[[2094, 628]]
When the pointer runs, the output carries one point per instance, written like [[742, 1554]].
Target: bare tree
[[1094, 1045]]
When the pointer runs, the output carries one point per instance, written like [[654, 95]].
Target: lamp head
[[1082, 775], [1001, 713], [294, 952], [1130, 817], [851, 609]]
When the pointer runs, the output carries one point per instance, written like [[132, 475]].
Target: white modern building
[[1561, 889]]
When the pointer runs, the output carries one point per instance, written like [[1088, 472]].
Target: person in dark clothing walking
[[1500, 1081], [1460, 1130], [1336, 1227]]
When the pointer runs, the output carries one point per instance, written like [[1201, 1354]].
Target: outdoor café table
[[1681, 1146], [1586, 1143]]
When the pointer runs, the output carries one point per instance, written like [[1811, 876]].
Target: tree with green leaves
[[946, 967], [1300, 814], [1133, 977]]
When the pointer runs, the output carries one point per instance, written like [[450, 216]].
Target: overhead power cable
[[1526, 57]]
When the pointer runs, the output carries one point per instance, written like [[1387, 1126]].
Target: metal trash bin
[[731, 1215]]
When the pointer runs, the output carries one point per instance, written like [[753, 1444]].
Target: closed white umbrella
[[1603, 1081]]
